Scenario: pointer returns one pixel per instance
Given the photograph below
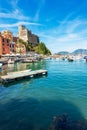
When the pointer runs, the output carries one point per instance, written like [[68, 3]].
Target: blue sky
[[61, 24]]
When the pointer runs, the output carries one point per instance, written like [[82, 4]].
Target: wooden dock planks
[[18, 72], [24, 74]]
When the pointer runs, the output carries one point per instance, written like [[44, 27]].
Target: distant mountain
[[76, 52], [63, 53], [80, 51]]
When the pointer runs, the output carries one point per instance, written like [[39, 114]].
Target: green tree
[[42, 49], [27, 45]]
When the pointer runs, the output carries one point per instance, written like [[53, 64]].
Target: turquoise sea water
[[30, 104]]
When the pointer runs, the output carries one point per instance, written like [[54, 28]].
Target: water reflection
[[22, 66], [32, 104]]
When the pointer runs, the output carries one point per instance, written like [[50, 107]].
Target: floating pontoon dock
[[25, 74], [18, 72]]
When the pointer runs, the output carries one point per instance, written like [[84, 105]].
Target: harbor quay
[[27, 58], [10, 77]]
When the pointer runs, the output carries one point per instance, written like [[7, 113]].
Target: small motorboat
[[70, 59], [10, 61], [0, 65], [85, 57], [27, 61]]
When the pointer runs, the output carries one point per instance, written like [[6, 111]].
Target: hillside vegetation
[[40, 48]]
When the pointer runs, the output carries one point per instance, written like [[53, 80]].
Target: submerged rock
[[64, 123]]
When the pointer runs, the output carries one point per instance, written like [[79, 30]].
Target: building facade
[[12, 47], [26, 35], [7, 34], [20, 48], [15, 39], [4, 43], [0, 45], [6, 47]]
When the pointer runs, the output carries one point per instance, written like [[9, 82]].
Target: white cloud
[[16, 14], [13, 3], [18, 23], [37, 14], [69, 35]]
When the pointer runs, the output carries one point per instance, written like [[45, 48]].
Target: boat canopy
[[85, 57]]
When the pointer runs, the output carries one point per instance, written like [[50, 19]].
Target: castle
[[9, 44], [26, 35]]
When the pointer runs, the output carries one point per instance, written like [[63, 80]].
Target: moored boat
[[10, 61], [26, 61], [85, 58], [0, 65], [70, 59]]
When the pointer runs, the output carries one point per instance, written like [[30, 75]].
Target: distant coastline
[[75, 52]]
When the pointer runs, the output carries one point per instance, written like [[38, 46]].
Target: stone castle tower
[[26, 35], [23, 33]]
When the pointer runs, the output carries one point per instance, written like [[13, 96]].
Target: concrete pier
[[18, 76]]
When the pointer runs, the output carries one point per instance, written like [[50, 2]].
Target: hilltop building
[[10, 44], [26, 35]]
